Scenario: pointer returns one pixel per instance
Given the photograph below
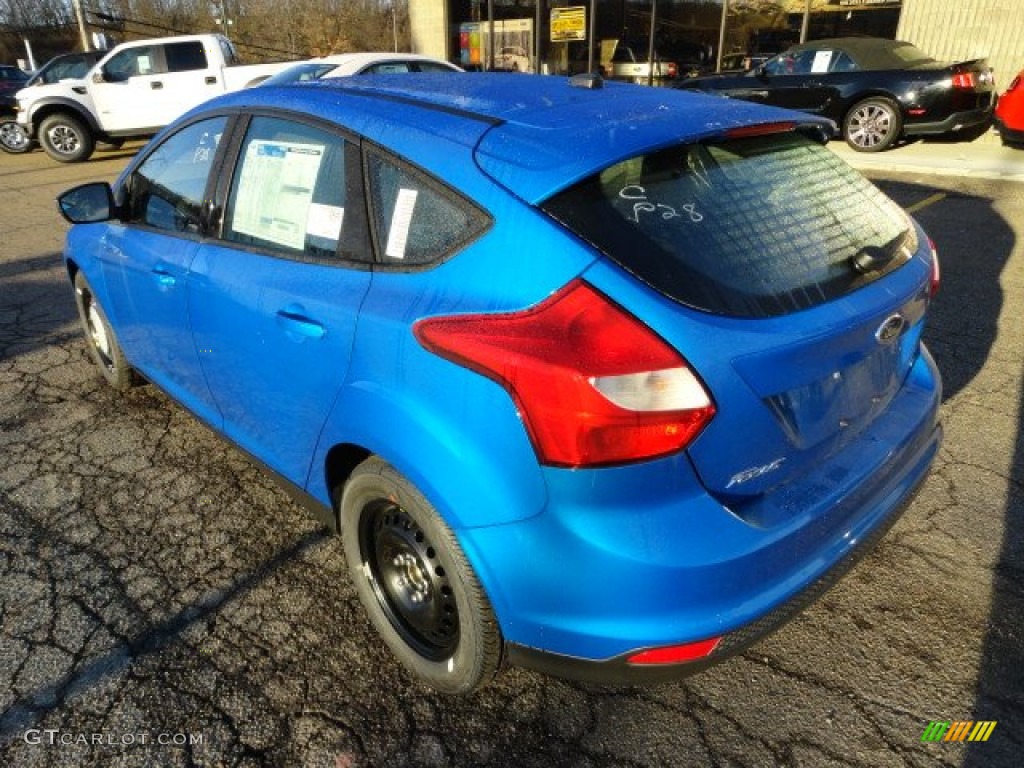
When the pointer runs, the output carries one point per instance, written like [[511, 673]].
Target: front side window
[[134, 62], [289, 191], [168, 188], [751, 227], [417, 220]]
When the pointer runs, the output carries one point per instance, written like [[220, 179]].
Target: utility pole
[[81, 25], [806, 23], [721, 34]]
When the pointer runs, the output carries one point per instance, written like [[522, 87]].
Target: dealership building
[[558, 36]]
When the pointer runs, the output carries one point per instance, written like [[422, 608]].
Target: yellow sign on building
[[568, 24]]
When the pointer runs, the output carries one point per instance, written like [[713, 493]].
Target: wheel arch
[[460, 476], [871, 93], [52, 106]]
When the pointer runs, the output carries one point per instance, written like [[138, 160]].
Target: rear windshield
[[754, 227]]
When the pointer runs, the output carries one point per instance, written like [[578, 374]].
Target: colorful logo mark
[[958, 730]]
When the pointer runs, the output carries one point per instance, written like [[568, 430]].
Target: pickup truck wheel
[[13, 138], [415, 582], [65, 139], [872, 125]]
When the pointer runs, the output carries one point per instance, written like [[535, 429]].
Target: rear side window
[[416, 219], [184, 57], [754, 227]]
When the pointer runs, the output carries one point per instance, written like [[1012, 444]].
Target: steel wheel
[[872, 125], [409, 581], [415, 582]]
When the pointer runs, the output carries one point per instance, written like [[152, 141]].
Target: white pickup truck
[[133, 91]]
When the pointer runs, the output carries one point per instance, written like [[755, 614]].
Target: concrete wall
[[968, 29], [428, 22]]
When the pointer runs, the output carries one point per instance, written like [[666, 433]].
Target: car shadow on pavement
[[36, 305], [975, 244], [31, 707]]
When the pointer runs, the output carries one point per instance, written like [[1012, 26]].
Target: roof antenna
[[586, 80]]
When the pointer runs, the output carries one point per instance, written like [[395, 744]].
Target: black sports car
[[876, 90]]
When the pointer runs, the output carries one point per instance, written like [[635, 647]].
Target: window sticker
[[275, 191], [144, 65], [401, 219], [324, 221], [821, 61]]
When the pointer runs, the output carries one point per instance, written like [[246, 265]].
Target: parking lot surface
[[163, 603]]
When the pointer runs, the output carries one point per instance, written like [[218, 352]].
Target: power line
[[112, 23]]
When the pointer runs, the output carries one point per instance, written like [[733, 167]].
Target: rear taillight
[[592, 383], [936, 275], [964, 81], [672, 69]]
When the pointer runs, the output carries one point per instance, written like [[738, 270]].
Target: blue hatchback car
[[603, 381]]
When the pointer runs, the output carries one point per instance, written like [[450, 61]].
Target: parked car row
[[878, 92]]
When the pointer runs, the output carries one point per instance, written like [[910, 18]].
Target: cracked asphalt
[[162, 603]]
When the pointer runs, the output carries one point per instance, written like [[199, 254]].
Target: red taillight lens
[[936, 274], [592, 383], [672, 69], [675, 654], [964, 80]]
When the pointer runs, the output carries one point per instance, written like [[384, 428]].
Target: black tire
[[100, 337], [873, 125], [415, 582], [13, 138], [65, 139]]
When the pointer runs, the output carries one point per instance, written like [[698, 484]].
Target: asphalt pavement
[[162, 603]]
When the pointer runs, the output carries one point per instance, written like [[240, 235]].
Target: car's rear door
[[275, 300]]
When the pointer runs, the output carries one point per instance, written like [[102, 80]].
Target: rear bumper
[[608, 572], [619, 671], [956, 122]]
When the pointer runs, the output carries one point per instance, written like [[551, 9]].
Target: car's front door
[[802, 80], [146, 259], [274, 302]]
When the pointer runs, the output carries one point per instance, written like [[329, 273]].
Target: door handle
[[163, 277], [156, 85], [298, 326], [211, 80]]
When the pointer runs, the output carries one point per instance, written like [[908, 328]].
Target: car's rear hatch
[[793, 287]]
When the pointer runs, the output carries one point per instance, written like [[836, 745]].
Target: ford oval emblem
[[891, 329]]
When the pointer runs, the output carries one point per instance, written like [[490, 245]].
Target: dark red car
[[1009, 115]]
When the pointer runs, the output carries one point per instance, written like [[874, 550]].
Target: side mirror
[[88, 203]]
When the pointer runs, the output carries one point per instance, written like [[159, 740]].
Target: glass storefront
[[688, 32]]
